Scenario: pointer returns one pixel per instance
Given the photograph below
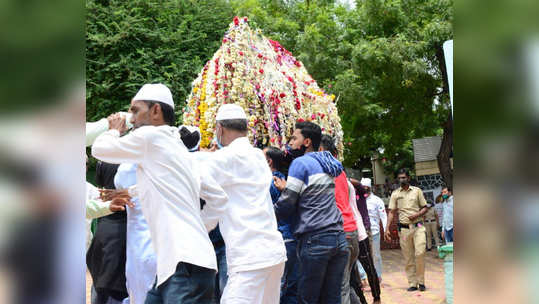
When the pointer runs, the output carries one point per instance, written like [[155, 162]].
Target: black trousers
[[365, 258]]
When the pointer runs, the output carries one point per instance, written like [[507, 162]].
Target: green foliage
[[378, 58], [129, 43]]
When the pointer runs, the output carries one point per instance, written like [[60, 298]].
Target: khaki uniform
[[432, 228], [412, 239]]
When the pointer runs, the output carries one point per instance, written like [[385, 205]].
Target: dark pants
[[322, 260], [448, 234], [190, 284], [365, 258], [222, 276], [289, 282], [353, 248]]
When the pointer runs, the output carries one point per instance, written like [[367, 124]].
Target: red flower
[[322, 115], [282, 95], [236, 21], [261, 71], [297, 64], [259, 55], [301, 120], [257, 86], [224, 40], [241, 53], [225, 92], [245, 19]]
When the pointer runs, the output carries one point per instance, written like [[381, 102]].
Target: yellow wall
[[426, 168]]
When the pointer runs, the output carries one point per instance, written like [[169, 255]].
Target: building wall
[[379, 177], [426, 168]]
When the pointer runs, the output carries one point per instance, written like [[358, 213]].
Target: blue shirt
[[283, 224], [309, 196]]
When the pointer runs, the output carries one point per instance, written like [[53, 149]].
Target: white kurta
[[248, 225], [377, 213], [140, 264], [169, 185]]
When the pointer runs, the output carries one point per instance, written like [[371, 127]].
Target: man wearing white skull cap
[[377, 213], [255, 249], [169, 184]]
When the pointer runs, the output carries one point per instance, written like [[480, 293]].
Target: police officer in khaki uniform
[[431, 225], [412, 206]]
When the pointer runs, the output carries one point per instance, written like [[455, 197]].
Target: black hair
[[168, 112], [328, 144], [190, 139], [448, 188], [234, 124], [277, 157], [404, 171], [312, 131]]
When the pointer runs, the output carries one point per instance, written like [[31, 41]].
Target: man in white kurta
[[169, 186], [255, 250]]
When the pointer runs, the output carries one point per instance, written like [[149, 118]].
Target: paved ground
[[394, 283]]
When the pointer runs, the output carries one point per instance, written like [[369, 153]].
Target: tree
[[382, 61], [129, 43]]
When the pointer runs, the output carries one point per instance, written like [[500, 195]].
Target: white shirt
[[377, 213], [169, 185], [140, 263], [361, 231], [248, 225], [447, 221]]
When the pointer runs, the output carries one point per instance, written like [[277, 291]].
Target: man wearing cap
[[255, 250], [411, 204], [169, 186], [377, 214]]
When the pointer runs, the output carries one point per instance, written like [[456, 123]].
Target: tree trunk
[[444, 156]]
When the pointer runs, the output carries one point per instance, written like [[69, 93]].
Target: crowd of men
[[235, 224]]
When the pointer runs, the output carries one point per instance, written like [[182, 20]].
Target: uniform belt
[[408, 226], [430, 221]]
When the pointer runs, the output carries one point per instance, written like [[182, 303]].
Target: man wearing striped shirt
[[309, 202]]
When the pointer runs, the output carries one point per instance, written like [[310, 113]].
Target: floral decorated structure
[[274, 89]]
